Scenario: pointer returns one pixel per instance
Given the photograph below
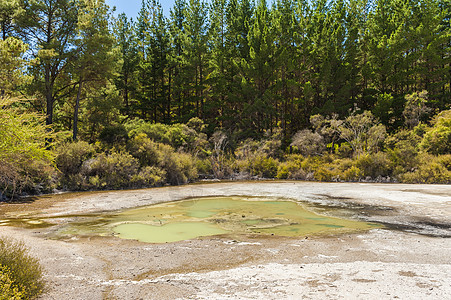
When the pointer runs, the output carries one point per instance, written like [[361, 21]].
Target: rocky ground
[[410, 258]]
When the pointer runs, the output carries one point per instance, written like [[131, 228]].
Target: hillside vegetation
[[341, 90]]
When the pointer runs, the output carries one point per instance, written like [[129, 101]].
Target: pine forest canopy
[[240, 65]]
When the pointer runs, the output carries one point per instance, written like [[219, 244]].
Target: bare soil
[[410, 258]]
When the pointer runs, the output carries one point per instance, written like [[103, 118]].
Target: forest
[[327, 90]]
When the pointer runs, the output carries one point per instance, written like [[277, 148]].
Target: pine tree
[[10, 11], [195, 57], [158, 52], [50, 28], [95, 63], [145, 91], [218, 62], [126, 82], [13, 62], [427, 49], [317, 54], [175, 80], [258, 72], [387, 45], [286, 27]]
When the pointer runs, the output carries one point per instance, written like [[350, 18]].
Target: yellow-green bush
[[264, 166], [20, 274], [176, 135], [343, 164], [26, 165], [114, 135], [283, 171], [352, 174], [374, 165], [402, 148], [203, 166], [258, 165], [291, 168], [432, 169], [8, 290], [187, 165], [180, 167], [69, 160], [344, 150], [437, 140], [241, 166], [323, 173], [311, 163], [149, 176], [144, 149], [113, 170]]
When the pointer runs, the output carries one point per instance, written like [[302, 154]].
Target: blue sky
[[132, 7]]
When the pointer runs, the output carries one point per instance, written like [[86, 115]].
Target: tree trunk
[[77, 106], [126, 94], [49, 113], [168, 111], [48, 96]]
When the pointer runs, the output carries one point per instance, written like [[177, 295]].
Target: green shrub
[[175, 135], [343, 164], [222, 166], [25, 162], [25, 176], [247, 149], [187, 165], [265, 167], [271, 145], [311, 163], [20, 274], [352, 174], [69, 161], [362, 131], [8, 290], [291, 168], [144, 149], [114, 135], [114, 170], [323, 173], [242, 166], [70, 157], [374, 165], [149, 176], [415, 108], [432, 169], [179, 167], [437, 140], [298, 174], [196, 124], [283, 171], [402, 149], [39, 176], [308, 143], [203, 166], [344, 150]]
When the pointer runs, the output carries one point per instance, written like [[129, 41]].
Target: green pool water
[[182, 220], [200, 217], [171, 232]]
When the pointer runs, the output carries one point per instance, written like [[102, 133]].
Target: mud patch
[[388, 216], [362, 280], [423, 227], [407, 273]]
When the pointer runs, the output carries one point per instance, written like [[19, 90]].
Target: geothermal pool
[[211, 216]]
